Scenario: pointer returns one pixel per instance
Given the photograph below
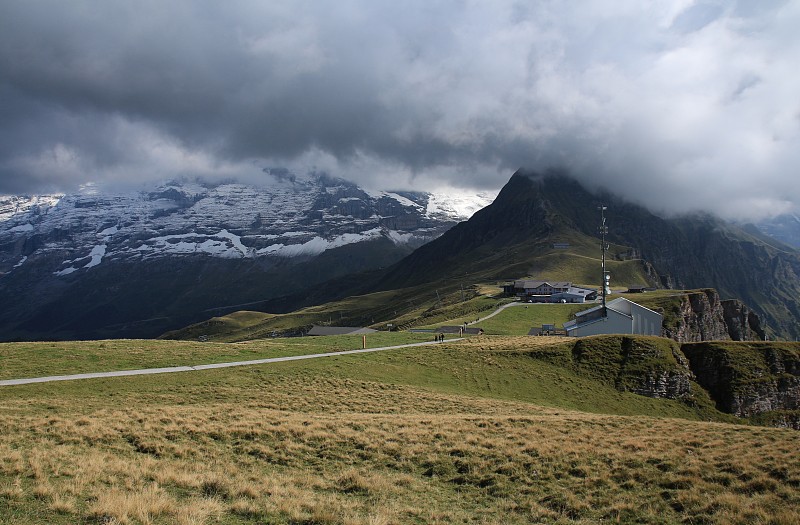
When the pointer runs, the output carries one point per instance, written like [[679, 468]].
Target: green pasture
[[21, 360]]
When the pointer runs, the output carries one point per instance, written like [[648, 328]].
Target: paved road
[[500, 309], [171, 369]]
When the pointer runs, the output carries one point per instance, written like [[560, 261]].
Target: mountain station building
[[621, 317], [549, 292]]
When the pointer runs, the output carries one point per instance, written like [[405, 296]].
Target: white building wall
[[615, 323], [646, 322], [642, 321]]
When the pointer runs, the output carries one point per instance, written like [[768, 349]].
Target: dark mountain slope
[[131, 299], [533, 211]]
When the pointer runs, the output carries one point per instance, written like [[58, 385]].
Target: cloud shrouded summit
[[677, 105]]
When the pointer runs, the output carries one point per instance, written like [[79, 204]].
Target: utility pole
[[604, 248]]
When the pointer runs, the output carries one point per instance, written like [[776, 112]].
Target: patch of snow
[[212, 247], [315, 246], [11, 205], [203, 243], [97, 255], [108, 231], [457, 205], [181, 247], [399, 238], [402, 200], [66, 271], [235, 240], [318, 245], [374, 194], [21, 261]]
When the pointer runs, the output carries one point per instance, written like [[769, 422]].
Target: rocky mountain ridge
[[290, 217], [536, 210], [102, 263]]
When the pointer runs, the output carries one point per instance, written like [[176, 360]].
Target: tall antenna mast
[[604, 248]]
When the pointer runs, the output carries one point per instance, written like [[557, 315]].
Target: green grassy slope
[[22, 360], [436, 302], [480, 432], [543, 370], [518, 320]]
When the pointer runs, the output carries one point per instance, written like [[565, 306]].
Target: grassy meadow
[[489, 430], [518, 320], [37, 359]]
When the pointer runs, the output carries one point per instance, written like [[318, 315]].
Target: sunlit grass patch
[[486, 431]]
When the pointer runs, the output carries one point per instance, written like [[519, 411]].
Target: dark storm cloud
[[680, 105]]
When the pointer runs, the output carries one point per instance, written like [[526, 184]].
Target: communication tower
[[606, 278]]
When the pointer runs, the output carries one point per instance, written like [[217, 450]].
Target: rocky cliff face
[[670, 383], [759, 381], [750, 379], [703, 316], [742, 322], [648, 366]]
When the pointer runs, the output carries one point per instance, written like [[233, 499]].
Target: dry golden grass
[[355, 452], [347, 442]]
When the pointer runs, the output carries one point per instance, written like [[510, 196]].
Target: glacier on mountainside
[[290, 216]]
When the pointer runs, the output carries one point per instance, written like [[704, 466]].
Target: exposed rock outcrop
[[742, 322], [755, 380], [649, 366], [750, 379], [703, 316], [671, 383]]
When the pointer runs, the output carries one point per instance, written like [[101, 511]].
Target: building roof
[[524, 283], [581, 290], [339, 330], [613, 305], [581, 318]]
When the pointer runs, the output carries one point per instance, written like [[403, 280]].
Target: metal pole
[[603, 248]]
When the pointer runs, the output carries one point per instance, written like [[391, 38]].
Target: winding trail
[[195, 368], [500, 309]]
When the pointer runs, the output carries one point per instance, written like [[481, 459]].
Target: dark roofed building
[[529, 287]]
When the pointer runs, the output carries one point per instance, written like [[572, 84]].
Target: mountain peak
[[517, 234]]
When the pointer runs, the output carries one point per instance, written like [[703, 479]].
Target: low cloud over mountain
[[682, 106]]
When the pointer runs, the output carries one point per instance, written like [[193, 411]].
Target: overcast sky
[[678, 105]]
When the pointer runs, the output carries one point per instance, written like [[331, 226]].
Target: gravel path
[[500, 309]]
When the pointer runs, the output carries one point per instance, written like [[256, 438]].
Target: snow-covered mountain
[[265, 241], [289, 218]]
